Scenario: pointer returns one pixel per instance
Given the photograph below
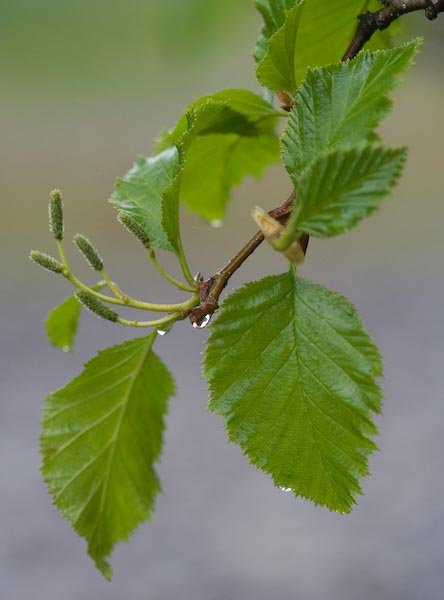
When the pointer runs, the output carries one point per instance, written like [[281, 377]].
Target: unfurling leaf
[[102, 435], [293, 372]]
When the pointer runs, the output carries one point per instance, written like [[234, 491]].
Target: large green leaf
[[293, 372], [343, 187], [341, 104], [277, 70], [102, 435]]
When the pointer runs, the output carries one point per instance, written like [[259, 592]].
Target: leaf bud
[[89, 252], [273, 230], [47, 262], [56, 214], [95, 306], [133, 227]]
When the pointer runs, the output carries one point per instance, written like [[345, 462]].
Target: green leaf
[[62, 322], [341, 104], [102, 435], [274, 13], [140, 194], [228, 111], [293, 372], [277, 70], [217, 163], [324, 31], [221, 138], [340, 189]]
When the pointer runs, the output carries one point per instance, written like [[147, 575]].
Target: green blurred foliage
[[50, 41]]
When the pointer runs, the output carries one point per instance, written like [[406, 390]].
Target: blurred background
[[85, 87]]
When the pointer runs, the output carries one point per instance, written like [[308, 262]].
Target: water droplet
[[204, 323], [162, 332], [66, 348], [216, 223], [285, 489]]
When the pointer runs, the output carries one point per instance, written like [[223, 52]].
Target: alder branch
[[369, 23]]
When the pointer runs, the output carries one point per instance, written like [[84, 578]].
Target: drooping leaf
[[102, 435], [293, 372], [217, 163], [277, 70], [341, 188], [228, 111], [235, 130], [62, 322], [140, 194], [341, 104]]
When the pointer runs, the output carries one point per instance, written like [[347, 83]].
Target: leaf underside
[[102, 435], [293, 372]]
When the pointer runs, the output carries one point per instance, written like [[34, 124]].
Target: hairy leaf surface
[[341, 104], [102, 435], [293, 372], [341, 188]]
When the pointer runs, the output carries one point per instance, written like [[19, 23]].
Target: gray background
[[84, 89]]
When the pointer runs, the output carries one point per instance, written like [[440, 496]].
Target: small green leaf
[[274, 13], [102, 435], [293, 372], [340, 189], [277, 70], [140, 195], [62, 321], [341, 104]]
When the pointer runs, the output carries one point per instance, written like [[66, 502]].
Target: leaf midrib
[[115, 437]]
